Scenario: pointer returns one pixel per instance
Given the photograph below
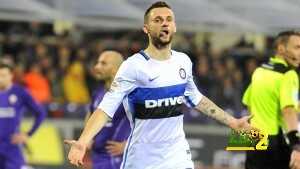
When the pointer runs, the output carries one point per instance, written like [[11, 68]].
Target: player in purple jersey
[[13, 99], [108, 145]]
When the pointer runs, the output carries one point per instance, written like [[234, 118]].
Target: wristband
[[294, 139]]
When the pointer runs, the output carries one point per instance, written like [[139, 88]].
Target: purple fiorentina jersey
[[117, 130], [12, 103]]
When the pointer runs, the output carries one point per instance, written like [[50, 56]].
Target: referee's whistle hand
[[76, 152]]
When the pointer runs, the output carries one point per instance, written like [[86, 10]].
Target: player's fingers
[[70, 157], [74, 161], [297, 164], [109, 147], [113, 152], [15, 140], [69, 142], [291, 166], [249, 117], [110, 142], [294, 166], [292, 161], [73, 155], [80, 162]]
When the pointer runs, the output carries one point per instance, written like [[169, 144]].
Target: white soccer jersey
[[153, 92]]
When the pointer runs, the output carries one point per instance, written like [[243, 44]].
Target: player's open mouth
[[164, 33]]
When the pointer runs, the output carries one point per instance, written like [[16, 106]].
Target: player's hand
[[295, 160], [90, 145], [76, 152], [115, 148], [19, 138], [243, 125]]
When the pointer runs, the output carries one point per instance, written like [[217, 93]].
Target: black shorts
[[277, 156]]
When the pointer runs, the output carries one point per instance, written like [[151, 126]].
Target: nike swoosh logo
[[151, 79]]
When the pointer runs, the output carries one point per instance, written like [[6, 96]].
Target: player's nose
[[165, 23], [97, 67]]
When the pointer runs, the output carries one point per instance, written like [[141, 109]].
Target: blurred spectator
[[74, 85], [203, 79], [19, 72], [250, 66], [64, 57], [56, 85], [37, 84]]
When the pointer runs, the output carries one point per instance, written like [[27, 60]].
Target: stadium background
[[54, 44]]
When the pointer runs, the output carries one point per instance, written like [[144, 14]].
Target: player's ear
[[175, 29], [145, 28], [281, 48]]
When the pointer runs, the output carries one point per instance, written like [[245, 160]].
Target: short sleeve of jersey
[[289, 90], [246, 96], [123, 83], [192, 94]]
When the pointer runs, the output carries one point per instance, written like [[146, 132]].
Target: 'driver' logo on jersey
[[172, 101]]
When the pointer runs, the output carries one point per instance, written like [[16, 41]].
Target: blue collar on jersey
[[145, 55]]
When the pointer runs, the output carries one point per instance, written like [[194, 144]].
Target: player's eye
[[169, 19], [157, 20]]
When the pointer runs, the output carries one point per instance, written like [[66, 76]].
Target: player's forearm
[[87, 116], [40, 116], [209, 108], [290, 117], [93, 126]]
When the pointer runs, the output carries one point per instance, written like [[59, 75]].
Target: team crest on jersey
[[12, 99], [182, 73]]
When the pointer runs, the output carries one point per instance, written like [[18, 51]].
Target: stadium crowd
[[57, 69]]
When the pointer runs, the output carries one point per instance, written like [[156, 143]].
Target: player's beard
[[158, 43], [101, 76]]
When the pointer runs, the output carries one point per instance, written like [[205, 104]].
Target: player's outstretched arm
[[78, 147], [209, 108]]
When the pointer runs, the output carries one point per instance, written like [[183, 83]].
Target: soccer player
[[13, 99], [109, 144], [153, 84], [272, 97]]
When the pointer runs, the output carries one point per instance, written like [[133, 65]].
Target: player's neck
[[159, 54]]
